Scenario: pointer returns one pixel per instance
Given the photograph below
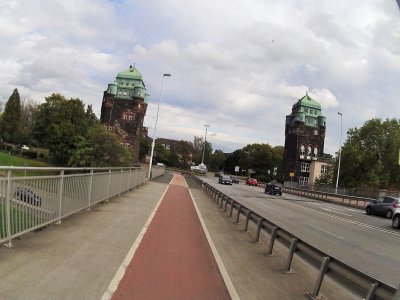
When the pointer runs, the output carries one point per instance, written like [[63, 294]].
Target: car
[[396, 218], [218, 174], [251, 181], [273, 189], [384, 206], [224, 179], [28, 196], [234, 179], [25, 147]]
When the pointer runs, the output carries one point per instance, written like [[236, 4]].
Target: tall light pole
[[205, 142], [155, 125], [340, 152]]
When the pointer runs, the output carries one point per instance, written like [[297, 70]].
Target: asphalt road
[[367, 243]]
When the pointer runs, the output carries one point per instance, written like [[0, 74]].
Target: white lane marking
[[228, 282], [347, 220], [335, 211], [330, 233], [112, 287]]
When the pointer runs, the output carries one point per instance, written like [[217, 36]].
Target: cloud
[[236, 65]]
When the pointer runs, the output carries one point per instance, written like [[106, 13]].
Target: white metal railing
[[30, 202]]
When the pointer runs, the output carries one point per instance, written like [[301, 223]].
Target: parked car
[[273, 189], [384, 206], [251, 181], [396, 218], [28, 196], [25, 147], [234, 179], [224, 179]]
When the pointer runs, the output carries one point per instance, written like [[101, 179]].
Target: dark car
[[218, 174], [251, 181], [273, 189], [224, 179], [26, 195], [384, 206], [234, 179]]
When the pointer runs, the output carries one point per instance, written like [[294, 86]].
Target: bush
[[9, 148], [14, 151], [30, 153]]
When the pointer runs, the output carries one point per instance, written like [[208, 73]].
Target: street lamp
[[155, 125], [205, 141], [340, 152]]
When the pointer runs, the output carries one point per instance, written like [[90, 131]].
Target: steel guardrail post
[[246, 224], [292, 250], [226, 204], [231, 209], [238, 214], [322, 271], [60, 196], [371, 292], [90, 188], [259, 226], [8, 210], [274, 232], [222, 201]]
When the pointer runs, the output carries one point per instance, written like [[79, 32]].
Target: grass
[[16, 215], [20, 161]]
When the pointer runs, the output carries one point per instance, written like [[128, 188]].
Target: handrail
[[355, 280]]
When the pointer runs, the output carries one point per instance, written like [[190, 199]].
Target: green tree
[[184, 151], [370, 155], [217, 160], [61, 125], [11, 119], [101, 148], [198, 145], [28, 114]]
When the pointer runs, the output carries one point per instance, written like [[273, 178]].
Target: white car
[[25, 147]]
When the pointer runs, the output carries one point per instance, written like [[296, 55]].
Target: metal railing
[[28, 203], [356, 281]]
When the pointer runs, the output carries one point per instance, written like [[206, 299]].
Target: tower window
[[302, 150], [324, 169], [303, 181], [305, 167], [315, 131]]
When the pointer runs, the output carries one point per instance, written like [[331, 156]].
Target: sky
[[237, 66]]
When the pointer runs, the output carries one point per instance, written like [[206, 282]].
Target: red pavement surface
[[174, 259]]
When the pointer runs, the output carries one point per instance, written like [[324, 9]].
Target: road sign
[[236, 168], [291, 174]]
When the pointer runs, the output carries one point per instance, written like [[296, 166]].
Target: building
[[304, 142], [124, 107]]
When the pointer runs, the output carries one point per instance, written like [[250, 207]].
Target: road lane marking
[[349, 221], [337, 212]]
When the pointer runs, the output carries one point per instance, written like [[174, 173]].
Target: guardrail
[[28, 203], [359, 202], [365, 286]]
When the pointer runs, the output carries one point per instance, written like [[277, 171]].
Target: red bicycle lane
[[174, 259]]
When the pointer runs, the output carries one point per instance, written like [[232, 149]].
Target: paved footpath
[[174, 259]]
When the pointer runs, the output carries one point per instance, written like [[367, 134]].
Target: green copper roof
[[308, 102], [129, 85], [131, 73]]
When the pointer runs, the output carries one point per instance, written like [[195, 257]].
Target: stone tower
[[304, 139], [124, 107]]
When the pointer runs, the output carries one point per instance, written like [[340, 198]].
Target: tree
[[198, 145], [370, 155], [11, 118], [217, 160], [184, 151], [61, 125], [101, 148], [28, 114]]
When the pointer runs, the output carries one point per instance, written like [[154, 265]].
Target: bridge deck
[[174, 259]]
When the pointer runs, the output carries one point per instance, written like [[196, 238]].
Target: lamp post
[[205, 141], [340, 152], [155, 125]]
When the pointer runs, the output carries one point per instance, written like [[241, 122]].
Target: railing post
[[322, 272], [130, 179], [231, 209], [108, 186], [222, 201], [90, 188], [246, 224], [238, 214], [371, 291], [272, 240], [226, 204], [60, 196], [8, 210], [259, 226], [292, 249]]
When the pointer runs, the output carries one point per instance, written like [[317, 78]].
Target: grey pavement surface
[[78, 259]]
